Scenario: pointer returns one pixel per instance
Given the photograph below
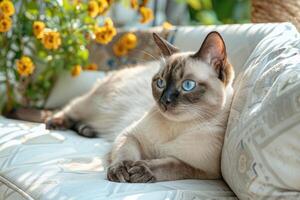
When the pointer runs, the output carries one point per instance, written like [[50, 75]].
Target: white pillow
[[68, 87], [240, 39], [261, 152]]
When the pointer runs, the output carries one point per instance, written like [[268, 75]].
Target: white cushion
[[261, 153], [38, 164], [68, 87]]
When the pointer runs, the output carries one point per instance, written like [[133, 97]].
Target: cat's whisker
[[139, 59], [164, 60], [147, 53]]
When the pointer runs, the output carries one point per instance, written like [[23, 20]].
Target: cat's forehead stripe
[[179, 69], [174, 67]]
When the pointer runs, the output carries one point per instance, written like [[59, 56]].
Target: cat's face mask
[[192, 85]]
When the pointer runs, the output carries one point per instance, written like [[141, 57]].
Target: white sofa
[[60, 165]]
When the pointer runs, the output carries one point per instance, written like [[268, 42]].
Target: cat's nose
[[169, 97], [167, 101]]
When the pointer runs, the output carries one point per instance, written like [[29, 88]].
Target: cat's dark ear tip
[[215, 34], [214, 44], [155, 35], [166, 48]]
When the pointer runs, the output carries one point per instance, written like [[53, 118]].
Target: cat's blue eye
[[188, 85], [160, 83]]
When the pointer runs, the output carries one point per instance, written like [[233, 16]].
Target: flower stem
[[9, 98]]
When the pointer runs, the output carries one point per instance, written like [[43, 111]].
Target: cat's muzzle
[[168, 99]]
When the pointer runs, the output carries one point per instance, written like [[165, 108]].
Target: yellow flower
[[120, 49], [108, 22], [51, 40], [76, 2], [103, 5], [124, 44], [134, 4], [109, 2], [167, 25], [76, 70], [146, 15], [92, 67], [38, 29], [5, 23], [110, 30], [7, 8], [25, 66], [93, 8], [144, 2], [105, 34], [129, 40], [100, 35]]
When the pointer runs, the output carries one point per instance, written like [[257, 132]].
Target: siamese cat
[[167, 118]]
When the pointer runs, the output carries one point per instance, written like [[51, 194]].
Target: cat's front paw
[[119, 172], [57, 123], [140, 172]]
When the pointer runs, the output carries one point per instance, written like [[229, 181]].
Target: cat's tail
[[30, 114]]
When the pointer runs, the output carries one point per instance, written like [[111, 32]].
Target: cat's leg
[[75, 112], [125, 151], [165, 169], [59, 121], [196, 155], [80, 109], [189, 156]]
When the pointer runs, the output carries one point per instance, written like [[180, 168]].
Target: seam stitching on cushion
[[15, 188]]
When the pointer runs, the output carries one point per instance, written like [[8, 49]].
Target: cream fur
[[122, 103], [115, 102], [166, 146]]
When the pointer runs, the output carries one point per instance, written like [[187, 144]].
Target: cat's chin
[[172, 115]]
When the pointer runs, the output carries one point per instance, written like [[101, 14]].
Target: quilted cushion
[[39, 164], [261, 154]]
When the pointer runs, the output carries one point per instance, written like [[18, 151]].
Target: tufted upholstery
[[38, 164]]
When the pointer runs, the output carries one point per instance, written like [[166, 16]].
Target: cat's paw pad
[[140, 172], [56, 123], [119, 172]]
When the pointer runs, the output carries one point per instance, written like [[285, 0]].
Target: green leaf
[[207, 17], [207, 4], [67, 6], [83, 54], [195, 4]]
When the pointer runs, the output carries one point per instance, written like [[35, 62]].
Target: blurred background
[[43, 40], [184, 12]]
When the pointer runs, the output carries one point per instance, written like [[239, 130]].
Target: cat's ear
[[166, 48], [212, 50]]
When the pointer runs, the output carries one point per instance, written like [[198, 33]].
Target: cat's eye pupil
[[160, 83], [188, 85]]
